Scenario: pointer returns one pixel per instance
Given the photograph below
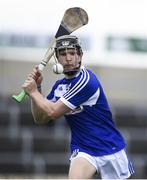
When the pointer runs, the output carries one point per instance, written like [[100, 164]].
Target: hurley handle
[[20, 96], [49, 53]]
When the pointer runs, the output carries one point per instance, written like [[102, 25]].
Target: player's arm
[[44, 110]]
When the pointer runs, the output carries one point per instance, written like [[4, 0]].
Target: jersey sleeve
[[84, 92]]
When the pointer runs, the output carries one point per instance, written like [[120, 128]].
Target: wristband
[[39, 88]]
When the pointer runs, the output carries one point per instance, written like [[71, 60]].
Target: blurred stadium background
[[115, 48]]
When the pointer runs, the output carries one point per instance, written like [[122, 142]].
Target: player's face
[[70, 59]]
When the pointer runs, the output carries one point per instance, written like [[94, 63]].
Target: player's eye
[[62, 53], [72, 53]]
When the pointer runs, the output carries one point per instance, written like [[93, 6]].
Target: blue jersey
[[92, 127]]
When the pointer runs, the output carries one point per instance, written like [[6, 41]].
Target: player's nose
[[68, 57]]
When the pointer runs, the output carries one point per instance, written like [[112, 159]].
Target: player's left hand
[[29, 85]]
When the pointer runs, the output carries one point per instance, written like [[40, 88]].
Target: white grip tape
[[41, 67], [49, 53]]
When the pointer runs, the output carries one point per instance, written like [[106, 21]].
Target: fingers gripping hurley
[[73, 19]]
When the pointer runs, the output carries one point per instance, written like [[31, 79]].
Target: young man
[[96, 143]]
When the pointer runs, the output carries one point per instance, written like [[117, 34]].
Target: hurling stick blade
[[73, 19]]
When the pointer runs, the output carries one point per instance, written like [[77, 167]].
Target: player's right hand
[[37, 76]]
